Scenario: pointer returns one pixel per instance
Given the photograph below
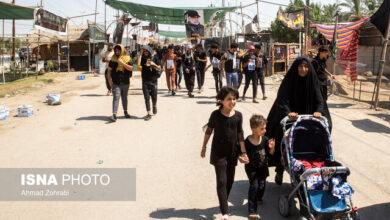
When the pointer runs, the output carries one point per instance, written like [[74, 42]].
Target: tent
[[160, 15], [173, 34], [10, 11]]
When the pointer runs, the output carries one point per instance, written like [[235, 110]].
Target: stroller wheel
[[284, 206]]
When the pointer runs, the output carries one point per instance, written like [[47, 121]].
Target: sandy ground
[[173, 182]]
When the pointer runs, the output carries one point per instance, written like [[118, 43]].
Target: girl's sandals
[[254, 216], [225, 217]]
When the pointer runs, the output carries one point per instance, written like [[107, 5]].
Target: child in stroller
[[319, 182]]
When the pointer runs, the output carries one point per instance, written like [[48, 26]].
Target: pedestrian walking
[[119, 72]]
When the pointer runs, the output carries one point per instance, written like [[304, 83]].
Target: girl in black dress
[[228, 143], [299, 93]]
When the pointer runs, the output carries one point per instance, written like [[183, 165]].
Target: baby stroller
[[319, 182]]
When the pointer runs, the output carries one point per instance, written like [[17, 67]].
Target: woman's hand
[[120, 62], [244, 159], [293, 115], [317, 114], [203, 152], [187, 70], [271, 144]]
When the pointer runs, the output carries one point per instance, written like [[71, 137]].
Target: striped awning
[[345, 33]]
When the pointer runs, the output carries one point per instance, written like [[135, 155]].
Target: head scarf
[[300, 90], [188, 56], [123, 56]]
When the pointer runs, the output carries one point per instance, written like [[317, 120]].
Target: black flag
[[381, 17]]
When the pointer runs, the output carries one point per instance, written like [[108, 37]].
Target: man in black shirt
[[319, 64], [262, 65], [151, 68], [229, 65], [179, 68], [200, 60], [215, 59], [249, 64], [119, 72]]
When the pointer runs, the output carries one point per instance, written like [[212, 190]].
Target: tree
[[354, 10], [330, 11], [371, 6]]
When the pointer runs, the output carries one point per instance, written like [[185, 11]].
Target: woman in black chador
[[299, 94]]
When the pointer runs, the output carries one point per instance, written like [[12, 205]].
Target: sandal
[[254, 216], [225, 217]]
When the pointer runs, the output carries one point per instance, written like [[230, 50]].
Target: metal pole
[[2, 52], [94, 36], [336, 36], [307, 25], [381, 64], [300, 42], [89, 57], [67, 39], [243, 24], [28, 56], [2, 55], [59, 56], [37, 69], [258, 16], [105, 21], [13, 37], [231, 27]]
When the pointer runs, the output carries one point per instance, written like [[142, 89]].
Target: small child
[[258, 148]]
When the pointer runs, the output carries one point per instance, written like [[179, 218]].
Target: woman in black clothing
[[228, 142], [119, 72], [150, 73], [188, 63], [299, 93]]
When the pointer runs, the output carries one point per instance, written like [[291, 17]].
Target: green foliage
[[318, 14], [357, 9], [8, 44]]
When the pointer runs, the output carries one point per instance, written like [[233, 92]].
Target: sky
[[70, 8]]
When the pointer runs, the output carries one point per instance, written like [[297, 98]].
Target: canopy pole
[[105, 21], [67, 39], [59, 56], [2, 56], [37, 69], [382, 64], [2, 53], [336, 36], [94, 36], [307, 27], [258, 16], [13, 37]]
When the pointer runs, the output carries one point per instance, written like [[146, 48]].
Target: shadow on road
[[92, 95], [237, 198], [385, 117], [370, 126], [341, 105], [377, 211], [106, 118], [206, 102]]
